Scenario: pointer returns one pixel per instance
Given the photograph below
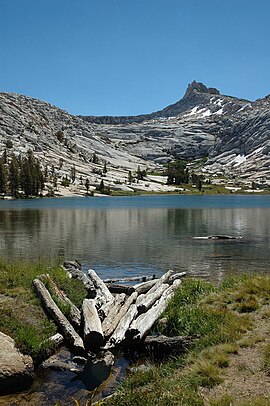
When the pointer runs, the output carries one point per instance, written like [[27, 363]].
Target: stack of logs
[[113, 315]]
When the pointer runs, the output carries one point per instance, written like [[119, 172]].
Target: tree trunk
[[131, 279], [110, 327], [75, 314], [176, 276], [64, 325], [164, 279], [113, 312], [143, 324], [116, 288], [92, 331], [150, 298], [120, 331], [104, 299], [144, 287]]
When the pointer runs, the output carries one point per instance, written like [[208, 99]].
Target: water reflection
[[139, 240]]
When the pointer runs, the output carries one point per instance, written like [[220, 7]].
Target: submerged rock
[[16, 369]]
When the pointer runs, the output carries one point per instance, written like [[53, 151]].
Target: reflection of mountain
[[138, 240]]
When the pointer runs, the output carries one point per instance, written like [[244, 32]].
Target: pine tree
[[14, 178], [3, 177], [87, 184], [73, 173]]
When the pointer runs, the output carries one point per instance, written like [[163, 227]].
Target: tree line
[[21, 175], [178, 173]]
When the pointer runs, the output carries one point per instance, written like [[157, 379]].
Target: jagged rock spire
[[200, 88]]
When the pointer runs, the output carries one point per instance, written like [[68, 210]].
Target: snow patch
[[239, 159]]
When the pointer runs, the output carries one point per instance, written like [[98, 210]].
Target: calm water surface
[[126, 236]]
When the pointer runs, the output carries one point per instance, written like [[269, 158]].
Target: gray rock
[[16, 369]]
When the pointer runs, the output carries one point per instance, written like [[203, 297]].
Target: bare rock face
[[16, 370]]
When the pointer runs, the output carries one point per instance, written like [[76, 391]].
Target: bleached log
[[121, 313], [130, 279], [92, 331], [164, 279], [62, 322], [144, 287], [150, 298], [143, 324], [113, 313], [104, 299], [77, 273], [175, 276], [75, 314], [46, 351], [117, 288], [120, 331]]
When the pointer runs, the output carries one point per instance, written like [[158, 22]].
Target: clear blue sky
[[121, 57]]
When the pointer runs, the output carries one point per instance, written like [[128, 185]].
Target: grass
[[266, 359], [21, 315], [221, 318]]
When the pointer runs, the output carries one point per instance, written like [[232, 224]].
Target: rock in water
[[16, 370]]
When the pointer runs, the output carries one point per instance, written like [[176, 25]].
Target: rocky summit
[[223, 135]]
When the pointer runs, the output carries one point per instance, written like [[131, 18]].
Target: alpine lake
[[130, 236]]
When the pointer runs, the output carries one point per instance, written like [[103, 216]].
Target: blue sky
[[121, 57]]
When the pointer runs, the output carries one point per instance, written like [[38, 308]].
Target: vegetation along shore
[[226, 362]]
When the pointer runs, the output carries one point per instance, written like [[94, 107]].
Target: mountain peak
[[199, 87]]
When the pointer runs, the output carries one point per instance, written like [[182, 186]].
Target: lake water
[[127, 236]]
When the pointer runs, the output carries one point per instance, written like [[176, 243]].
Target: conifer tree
[[14, 178], [3, 177]]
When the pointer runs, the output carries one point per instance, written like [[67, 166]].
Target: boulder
[[16, 369]]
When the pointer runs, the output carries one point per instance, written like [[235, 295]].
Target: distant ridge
[[196, 93]]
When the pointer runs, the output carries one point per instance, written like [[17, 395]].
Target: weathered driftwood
[[113, 313], [143, 324], [92, 331], [150, 298], [130, 279], [121, 313], [117, 288], [62, 322], [160, 346], [104, 299], [75, 314], [164, 279], [175, 276], [218, 237], [120, 331], [144, 287], [77, 273]]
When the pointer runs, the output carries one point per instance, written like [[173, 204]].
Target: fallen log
[[62, 322], [131, 279], [77, 273], [75, 314], [161, 346], [116, 288], [164, 279], [144, 287], [150, 298], [143, 324], [121, 313], [120, 331], [113, 313], [104, 299], [175, 276], [92, 331]]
